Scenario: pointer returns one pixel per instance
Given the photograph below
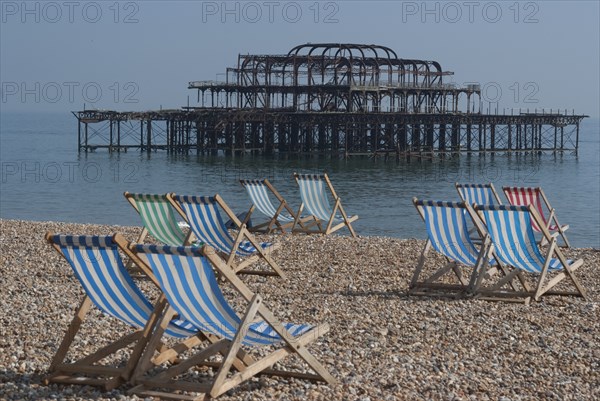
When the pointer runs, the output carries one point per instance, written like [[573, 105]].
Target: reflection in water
[[44, 178]]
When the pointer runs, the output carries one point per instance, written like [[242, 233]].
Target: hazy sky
[[139, 55]]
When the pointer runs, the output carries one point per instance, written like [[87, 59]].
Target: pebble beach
[[383, 344]]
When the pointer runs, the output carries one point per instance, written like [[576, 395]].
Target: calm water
[[44, 178]]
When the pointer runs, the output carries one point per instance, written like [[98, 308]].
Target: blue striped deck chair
[[98, 267], [158, 219], [280, 218], [482, 194], [511, 231], [187, 278], [313, 191], [447, 234], [203, 215]]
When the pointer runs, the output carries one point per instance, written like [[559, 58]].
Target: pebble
[[383, 345]]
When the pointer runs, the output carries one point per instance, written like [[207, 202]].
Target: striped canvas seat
[[313, 192], [188, 281], [511, 231], [97, 265], [158, 218], [446, 224], [481, 194], [510, 228], [522, 196], [314, 196], [207, 224], [204, 217], [259, 194]]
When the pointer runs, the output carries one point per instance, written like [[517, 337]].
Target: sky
[[140, 55]]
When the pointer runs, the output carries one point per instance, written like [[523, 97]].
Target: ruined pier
[[337, 99]]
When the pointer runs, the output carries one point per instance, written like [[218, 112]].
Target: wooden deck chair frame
[[469, 201], [557, 229], [132, 201], [542, 286], [316, 221], [273, 224], [481, 270], [242, 234], [106, 376], [239, 364]]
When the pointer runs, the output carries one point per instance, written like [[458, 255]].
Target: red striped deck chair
[[524, 196]]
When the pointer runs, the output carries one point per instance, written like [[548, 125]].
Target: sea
[[45, 178]]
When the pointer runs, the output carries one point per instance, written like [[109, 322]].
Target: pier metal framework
[[341, 99]]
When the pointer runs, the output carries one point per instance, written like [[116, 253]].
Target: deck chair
[[158, 219], [98, 267], [313, 191], [187, 278], [203, 216], [280, 218], [447, 234], [511, 231], [523, 196], [482, 194]]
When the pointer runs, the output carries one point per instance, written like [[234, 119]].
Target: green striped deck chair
[[158, 219]]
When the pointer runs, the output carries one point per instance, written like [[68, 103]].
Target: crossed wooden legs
[[232, 357]]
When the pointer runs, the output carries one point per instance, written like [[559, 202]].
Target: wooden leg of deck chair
[[74, 327], [297, 217], [449, 266], [420, 265], [189, 238], [539, 291], [261, 251], [139, 240], [569, 271], [275, 219], [481, 268], [109, 377], [216, 389], [348, 221], [145, 361], [298, 345], [332, 217]]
